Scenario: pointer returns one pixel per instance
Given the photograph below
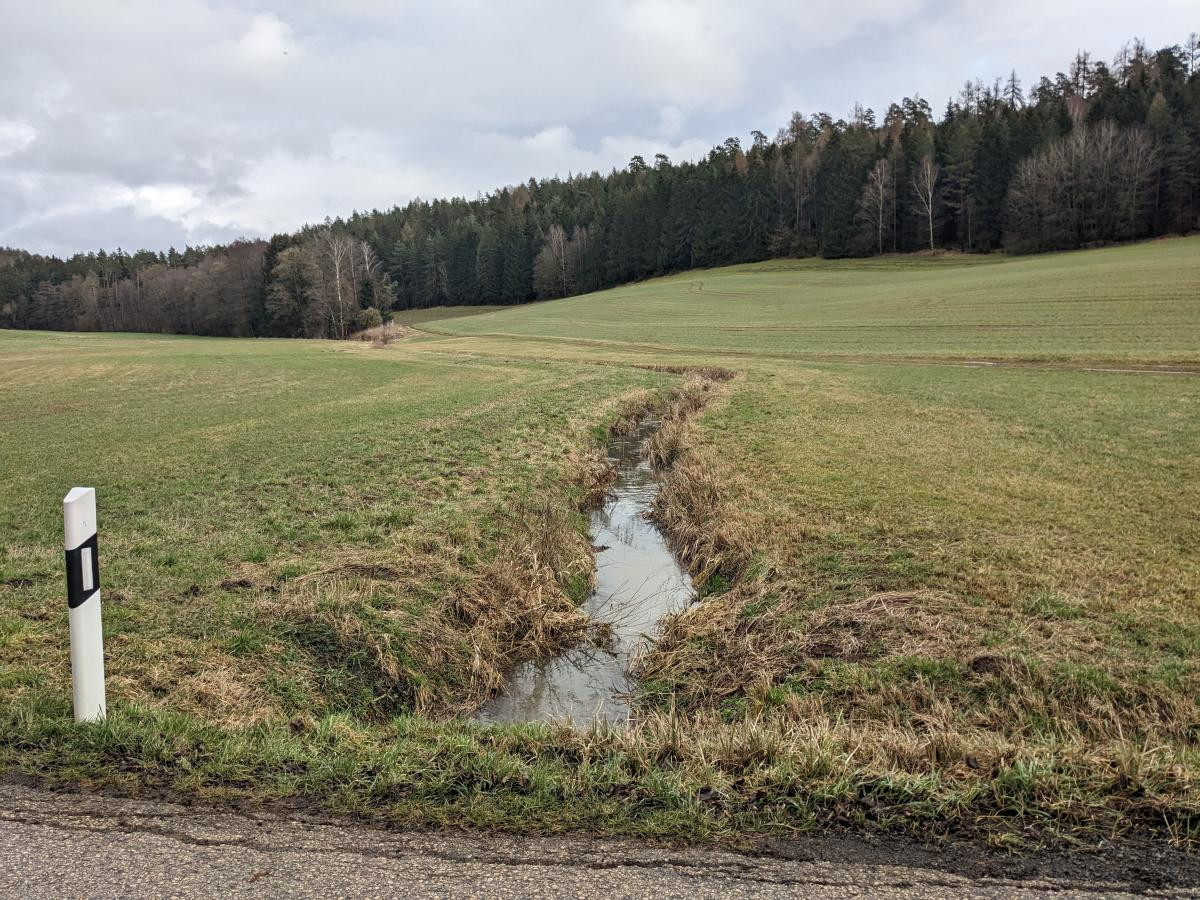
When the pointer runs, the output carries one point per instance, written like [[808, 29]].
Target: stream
[[638, 581]]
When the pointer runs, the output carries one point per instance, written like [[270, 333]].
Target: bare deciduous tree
[[556, 243], [877, 196], [369, 270], [338, 296], [556, 267], [1091, 186], [925, 180]]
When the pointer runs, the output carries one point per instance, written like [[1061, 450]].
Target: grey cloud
[[122, 226], [196, 120]]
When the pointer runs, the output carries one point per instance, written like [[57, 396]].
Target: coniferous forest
[[1100, 154]]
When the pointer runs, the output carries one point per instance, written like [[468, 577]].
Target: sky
[[151, 124]]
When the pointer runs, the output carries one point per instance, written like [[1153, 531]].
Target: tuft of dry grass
[[735, 643], [631, 409], [665, 444], [382, 335], [708, 538], [593, 476], [700, 371]]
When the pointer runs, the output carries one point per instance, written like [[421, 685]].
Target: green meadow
[[1135, 302], [942, 521]]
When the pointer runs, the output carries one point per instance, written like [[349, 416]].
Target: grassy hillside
[[1134, 302], [418, 316], [937, 598]]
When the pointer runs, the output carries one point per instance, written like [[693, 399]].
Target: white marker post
[[83, 601]]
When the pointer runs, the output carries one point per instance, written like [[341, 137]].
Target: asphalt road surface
[[69, 845]]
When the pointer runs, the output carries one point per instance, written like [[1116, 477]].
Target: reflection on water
[[638, 581]]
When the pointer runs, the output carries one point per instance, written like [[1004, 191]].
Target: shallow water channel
[[638, 581]]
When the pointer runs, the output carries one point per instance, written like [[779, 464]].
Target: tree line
[[1101, 153]]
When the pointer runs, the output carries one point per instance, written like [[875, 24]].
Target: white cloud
[[556, 151], [172, 201], [266, 41], [15, 136], [283, 190]]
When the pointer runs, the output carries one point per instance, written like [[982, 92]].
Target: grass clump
[[382, 334]]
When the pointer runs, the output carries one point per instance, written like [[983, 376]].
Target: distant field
[[1135, 302], [417, 316], [937, 597]]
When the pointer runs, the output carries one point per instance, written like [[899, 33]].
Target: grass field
[[938, 598], [436, 313], [1136, 302], [246, 486]]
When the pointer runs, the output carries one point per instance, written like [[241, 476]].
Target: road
[[66, 845]]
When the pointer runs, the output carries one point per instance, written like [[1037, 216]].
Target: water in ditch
[[638, 581]]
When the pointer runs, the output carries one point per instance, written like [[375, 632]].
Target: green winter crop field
[[939, 597], [1133, 302]]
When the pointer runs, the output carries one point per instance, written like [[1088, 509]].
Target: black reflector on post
[[83, 572]]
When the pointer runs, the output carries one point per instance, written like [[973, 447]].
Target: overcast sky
[[147, 124]]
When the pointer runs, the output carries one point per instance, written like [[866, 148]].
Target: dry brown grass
[[593, 475], [217, 686], [694, 394], [794, 764], [443, 658], [631, 410], [382, 335], [743, 651], [706, 536], [709, 373]]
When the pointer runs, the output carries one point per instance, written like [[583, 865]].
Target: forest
[[1103, 153]]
